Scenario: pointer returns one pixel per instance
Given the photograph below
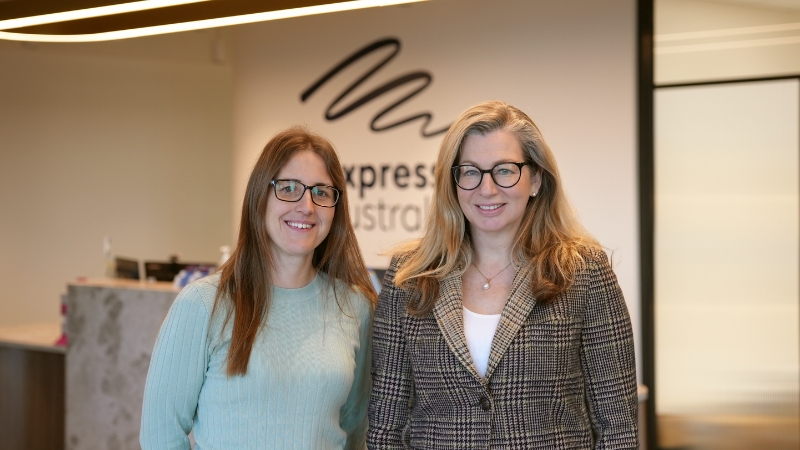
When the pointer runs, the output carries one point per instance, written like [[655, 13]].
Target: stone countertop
[[112, 326], [34, 336], [121, 283]]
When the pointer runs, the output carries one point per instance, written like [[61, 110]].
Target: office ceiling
[[191, 12], [13, 9]]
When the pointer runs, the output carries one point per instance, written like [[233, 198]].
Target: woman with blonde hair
[[504, 326], [273, 350]]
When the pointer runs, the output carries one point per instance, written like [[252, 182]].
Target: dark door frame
[[645, 137]]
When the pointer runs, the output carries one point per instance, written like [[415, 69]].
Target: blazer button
[[486, 405]]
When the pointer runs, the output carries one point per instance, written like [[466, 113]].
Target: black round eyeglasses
[[505, 175]]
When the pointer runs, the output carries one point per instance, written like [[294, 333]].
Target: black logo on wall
[[332, 113]]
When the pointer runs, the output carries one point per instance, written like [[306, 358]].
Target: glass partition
[[726, 265]]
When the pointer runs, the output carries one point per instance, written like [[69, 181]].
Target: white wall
[[569, 65], [130, 140]]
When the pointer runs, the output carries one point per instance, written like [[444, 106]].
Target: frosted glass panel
[[726, 264]]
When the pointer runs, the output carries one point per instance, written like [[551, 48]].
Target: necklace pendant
[[486, 286]]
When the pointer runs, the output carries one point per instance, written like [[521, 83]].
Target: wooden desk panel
[[32, 404]]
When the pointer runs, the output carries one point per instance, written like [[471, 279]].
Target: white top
[[479, 330]]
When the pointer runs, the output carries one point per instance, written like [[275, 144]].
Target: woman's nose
[[487, 186], [305, 204]]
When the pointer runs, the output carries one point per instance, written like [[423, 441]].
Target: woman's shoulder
[[202, 292], [391, 292], [596, 266], [594, 256], [362, 305], [356, 298], [398, 259]]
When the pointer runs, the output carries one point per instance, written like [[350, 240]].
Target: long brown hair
[[244, 286], [550, 243]]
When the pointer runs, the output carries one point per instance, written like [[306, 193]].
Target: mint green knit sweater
[[306, 387]]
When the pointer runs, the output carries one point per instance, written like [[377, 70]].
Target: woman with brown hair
[[504, 326], [273, 350]]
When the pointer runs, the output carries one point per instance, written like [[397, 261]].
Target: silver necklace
[[488, 279]]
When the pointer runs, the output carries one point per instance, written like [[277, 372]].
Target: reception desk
[[112, 326], [31, 387]]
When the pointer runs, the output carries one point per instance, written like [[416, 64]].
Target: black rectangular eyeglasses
[[321, 194]]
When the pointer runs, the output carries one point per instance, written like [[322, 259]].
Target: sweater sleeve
[[354, 412], [393, 391], [608, 361], [176, 373]]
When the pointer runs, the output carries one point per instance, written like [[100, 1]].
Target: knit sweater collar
[[304, 293]]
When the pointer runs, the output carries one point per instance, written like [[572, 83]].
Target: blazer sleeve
[[608, 360], [392, 387], [176, 374]]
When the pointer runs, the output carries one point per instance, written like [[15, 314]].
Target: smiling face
[[493, 211], [295, 229]]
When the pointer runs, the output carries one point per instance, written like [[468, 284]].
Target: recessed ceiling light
[[31, 32], [86, 13]]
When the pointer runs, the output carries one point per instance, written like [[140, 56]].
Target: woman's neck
[[292, 274], [491, 250]]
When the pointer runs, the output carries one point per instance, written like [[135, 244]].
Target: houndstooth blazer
[[560, 376]]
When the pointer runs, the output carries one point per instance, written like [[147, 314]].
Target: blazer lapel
[[450, 318], [520, 303]]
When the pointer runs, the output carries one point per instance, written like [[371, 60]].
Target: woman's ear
[[536, 182]]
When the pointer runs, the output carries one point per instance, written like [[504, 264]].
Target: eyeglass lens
[[504, 175], [293, 191]]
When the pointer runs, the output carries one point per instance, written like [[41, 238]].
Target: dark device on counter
[[166, 270], [127, 268]]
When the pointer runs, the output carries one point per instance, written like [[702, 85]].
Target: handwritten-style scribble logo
[[420, 79]]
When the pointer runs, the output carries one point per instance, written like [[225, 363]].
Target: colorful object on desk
[[192, 273], [62, 341]]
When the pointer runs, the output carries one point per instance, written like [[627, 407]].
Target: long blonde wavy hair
[[551, 243]]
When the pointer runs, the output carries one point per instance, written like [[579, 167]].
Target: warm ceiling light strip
[[203, 24], [91, 12]]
